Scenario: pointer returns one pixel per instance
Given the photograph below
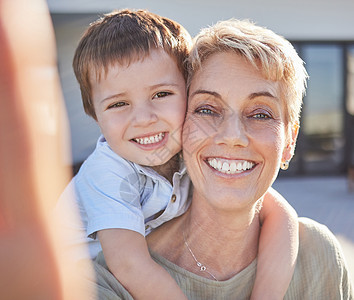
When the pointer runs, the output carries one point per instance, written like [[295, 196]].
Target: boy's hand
[[278, 247]]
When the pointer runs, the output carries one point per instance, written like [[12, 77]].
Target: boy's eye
[[117, 104], [161, 95]]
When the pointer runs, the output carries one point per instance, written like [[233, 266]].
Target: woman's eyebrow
[[211, 93], [262, 94]]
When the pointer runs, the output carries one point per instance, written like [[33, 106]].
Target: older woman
[[245, 91]]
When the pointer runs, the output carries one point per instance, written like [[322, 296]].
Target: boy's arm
[[278, 247], [127, 256]]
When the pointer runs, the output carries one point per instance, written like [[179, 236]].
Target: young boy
[[131, 69]]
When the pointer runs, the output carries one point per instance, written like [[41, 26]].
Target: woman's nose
[[144, 116], [232, 132]]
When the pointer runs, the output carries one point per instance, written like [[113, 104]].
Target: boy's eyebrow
[[164, 84], [151, 87], [112, 96]]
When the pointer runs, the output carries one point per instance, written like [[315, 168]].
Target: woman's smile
[[227, 166]]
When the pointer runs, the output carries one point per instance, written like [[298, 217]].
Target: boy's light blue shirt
[[111, 192]]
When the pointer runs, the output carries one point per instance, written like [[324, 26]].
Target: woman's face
[[234, 135]]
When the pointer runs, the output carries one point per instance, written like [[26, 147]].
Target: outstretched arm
[[278, 247], [32, 170], [129, 260]]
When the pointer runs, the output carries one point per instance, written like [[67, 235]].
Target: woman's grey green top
[[321, 273]]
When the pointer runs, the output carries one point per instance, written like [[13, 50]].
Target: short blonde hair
[[273, 55]]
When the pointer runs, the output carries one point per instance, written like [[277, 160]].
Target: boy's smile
[[140, 108], [150, 139]]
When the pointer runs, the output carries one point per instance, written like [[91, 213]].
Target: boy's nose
[[232, 132], [144, 116]]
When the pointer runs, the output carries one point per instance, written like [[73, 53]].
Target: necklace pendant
[[200, 265]]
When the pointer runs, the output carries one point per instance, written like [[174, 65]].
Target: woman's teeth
[[230, 167], [150, 139]]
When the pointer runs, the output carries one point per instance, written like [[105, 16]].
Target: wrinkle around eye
[[204, 111], [262, 116]]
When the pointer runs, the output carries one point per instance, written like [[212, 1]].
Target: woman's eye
[[117, 104], [205, 111], [161, 94], [261, 116]]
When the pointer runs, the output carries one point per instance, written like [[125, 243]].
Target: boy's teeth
[[150, 139], [229, 167]]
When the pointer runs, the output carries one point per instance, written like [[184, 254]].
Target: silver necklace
[[201, 267]]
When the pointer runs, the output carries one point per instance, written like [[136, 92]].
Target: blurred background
[[321, 30], [320, 180]]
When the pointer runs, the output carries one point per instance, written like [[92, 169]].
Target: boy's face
[[140, 108]]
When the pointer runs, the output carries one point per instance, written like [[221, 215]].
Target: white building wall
[[305, 19], [296, 20]]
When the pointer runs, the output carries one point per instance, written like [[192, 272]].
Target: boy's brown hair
[[122, 37]]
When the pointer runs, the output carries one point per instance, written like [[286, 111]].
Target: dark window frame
[[348, 120]]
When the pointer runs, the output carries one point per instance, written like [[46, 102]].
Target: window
[[350, 81], [350, 105], [323, 115]]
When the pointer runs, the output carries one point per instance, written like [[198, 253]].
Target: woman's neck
[[225, 244], [223, 247]]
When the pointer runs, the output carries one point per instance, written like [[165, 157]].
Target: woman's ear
[[290, 146]]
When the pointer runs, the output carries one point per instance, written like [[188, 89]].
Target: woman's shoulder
[[314, 234], [318, 243], [321, 271]]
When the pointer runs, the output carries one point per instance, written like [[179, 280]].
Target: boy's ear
[[289, 149]]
